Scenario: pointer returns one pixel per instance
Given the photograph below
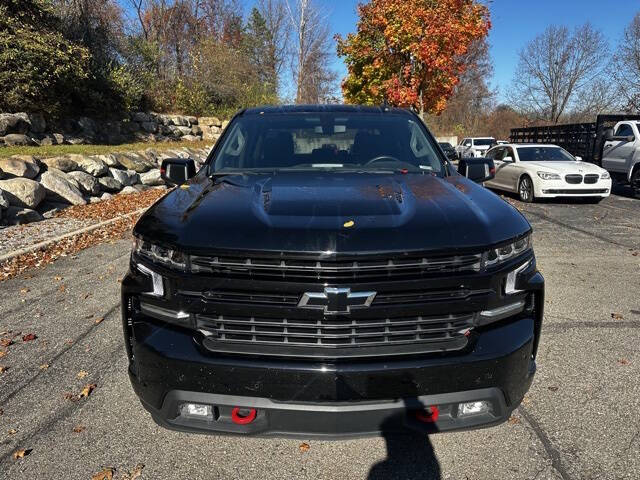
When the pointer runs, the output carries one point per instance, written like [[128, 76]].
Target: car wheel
[[525, 189], [635, 182]]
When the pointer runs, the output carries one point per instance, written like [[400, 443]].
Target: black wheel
[[635, 182], [525, 189]]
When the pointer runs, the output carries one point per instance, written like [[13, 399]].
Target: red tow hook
[[242, 419], [428, 415]]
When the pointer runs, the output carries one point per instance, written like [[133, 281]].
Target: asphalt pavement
[[580, 420]]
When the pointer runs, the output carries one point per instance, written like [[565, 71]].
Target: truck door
[[617, 153]]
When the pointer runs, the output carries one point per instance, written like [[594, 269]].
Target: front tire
[[525, 190], [635, 182]]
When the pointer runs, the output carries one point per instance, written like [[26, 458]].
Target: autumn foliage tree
[[410, 52]]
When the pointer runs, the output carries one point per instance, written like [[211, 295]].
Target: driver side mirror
[[477, 169], [608, 134], [176, 171]]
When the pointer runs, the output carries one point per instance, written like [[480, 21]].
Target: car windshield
[[482, 142], [446, 146], [326, 141], [544, 154]]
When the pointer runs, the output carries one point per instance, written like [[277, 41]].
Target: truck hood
[[330, 213], [565, 167]]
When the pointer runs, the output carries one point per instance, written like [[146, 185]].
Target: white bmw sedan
[[545, 171]]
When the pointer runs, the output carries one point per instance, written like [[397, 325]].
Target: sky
[[514, 23]]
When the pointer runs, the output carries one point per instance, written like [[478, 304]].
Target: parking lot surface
[[580, 419]]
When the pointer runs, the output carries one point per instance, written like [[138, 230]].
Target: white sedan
[[546, 171]]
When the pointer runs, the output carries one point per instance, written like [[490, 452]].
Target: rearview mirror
[[176, 171], [477, 169]]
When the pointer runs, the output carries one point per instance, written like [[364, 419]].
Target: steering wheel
[[380, 158]]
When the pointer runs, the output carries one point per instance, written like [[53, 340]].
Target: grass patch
[[57, 150]]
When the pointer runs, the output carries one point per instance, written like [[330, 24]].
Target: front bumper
[[323, 399], [560, 188]]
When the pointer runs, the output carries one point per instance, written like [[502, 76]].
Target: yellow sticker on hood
[[349, 224]]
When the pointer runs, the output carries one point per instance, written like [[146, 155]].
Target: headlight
[[506, 252], [548, 176], [160, 255], [605, 175]]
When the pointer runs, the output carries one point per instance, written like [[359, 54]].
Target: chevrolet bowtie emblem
[[336, 300]]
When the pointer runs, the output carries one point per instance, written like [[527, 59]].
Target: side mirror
[[608, 134], [176, 171], [629, 138], [477, 169]]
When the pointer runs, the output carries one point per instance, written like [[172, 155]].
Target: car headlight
[[548, 176], [605, 175], [506, 252], [160, 255]]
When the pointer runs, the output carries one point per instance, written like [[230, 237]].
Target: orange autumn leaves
[[409, 51]]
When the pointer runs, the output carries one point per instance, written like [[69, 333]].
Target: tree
[[41, 70], [313, 76], [626, 66], [466, 110], [277, 44], [410, 52], [556, 69], [259, 50]]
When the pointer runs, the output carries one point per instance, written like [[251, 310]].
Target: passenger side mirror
[[608, 134], [176, 171], [477, 169]]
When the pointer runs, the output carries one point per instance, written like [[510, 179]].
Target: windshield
[[544, 154], [482, 142], [446, 146], [326, 141]]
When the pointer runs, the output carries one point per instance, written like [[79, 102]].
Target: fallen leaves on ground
[[98, 320], [79, 428], [133, 474], [44, 366], [3, 368], [304, 447], [623, 361], [86, 391], [24, 290], [5, 342], [106, 474], [553, 389], [617, 316], [513, 420], [82, 374], [3, 353], [12, 431], [105, 210], [21, 453], [29, 337]]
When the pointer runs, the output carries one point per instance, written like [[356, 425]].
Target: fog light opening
[[197, 411], [243, 416], [428, 415], [473, 408]]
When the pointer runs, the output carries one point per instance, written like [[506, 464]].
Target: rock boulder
[[59, 188], [22, 192]]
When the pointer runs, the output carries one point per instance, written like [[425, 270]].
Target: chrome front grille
[[574, 179], [443, 332], [367, 268]]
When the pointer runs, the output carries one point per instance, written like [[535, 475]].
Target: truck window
[[467, 142], [624, 130]]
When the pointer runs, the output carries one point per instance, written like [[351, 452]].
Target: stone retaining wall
[[30, 186], [33, 129]]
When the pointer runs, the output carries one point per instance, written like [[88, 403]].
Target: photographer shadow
[[409, 453]]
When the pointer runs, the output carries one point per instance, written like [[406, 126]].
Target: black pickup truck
[[326, 273]]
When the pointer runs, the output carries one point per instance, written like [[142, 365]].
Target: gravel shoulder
[[579, 420]]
